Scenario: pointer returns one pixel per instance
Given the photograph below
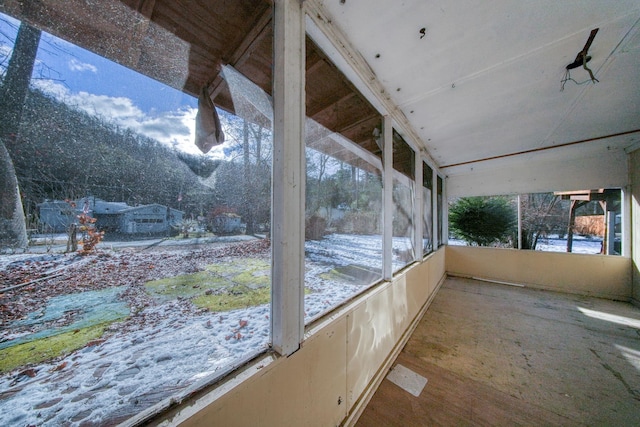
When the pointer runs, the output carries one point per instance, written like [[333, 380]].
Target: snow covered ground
[[581, 245], [138, 364]]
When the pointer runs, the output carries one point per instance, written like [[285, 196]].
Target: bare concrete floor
[[502, 355]]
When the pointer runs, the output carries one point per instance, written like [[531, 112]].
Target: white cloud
[[174, 128], [5, 50], [75, 65]]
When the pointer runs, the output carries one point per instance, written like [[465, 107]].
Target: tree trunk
[[247, 199], [13, 231], [16, 82]]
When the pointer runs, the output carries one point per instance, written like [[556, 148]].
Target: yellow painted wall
[[634, 179], [339, 362], [595, 275]]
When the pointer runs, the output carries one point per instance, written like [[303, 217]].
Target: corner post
[[288, 194], [418, 209], [387, 197]]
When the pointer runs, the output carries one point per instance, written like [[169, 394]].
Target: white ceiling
[[485, 80]]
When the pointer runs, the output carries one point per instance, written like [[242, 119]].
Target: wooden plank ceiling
[[185, 43]]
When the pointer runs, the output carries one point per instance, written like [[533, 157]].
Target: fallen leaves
[[100, 270], [236, 332], [29, 373], [23, 375], [94, 343], [60, 367]]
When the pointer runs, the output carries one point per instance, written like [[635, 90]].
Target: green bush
[[482, 221]]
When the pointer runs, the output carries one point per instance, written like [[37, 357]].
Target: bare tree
[[542, 214], [15, 86]]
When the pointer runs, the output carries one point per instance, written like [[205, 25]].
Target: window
[[587, 222], [343, 232], [440, 206], [141, 265], [343, 213], [427, 210], [404, 251]]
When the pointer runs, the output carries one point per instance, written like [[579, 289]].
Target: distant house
[[228, 223], [57, 215], [146, 219], [111, 217]]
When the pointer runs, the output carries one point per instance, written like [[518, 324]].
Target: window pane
[[404, 159], [427, 211], [343, 237], [147, 269], [403, 248], [343, 218], [483, 221], [587, 222], [572, 221], [440, 205]]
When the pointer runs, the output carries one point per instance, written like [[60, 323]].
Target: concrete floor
[[503, 355]]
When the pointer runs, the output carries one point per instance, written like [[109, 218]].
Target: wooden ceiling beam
[[247, 46], [244, 49], [332, 105], [362, 121], [145, 7], [313, 66]]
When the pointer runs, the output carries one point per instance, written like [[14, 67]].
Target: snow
[[168, 355], [581, 244], [136, 365], [345, 249]]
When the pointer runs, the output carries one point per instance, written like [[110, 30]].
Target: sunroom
[[333, 133]]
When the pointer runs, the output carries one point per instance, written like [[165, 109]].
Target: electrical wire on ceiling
[[581, 61], [567, 78]]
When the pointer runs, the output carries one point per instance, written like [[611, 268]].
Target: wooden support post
[[387, 197], [625, 226], [520, 221], [605, 237], [572, 222], [435, 243], [417, 210], [610, 232], [287, 241], [445, 214]]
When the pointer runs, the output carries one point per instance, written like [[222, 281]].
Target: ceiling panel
[[484, 80]]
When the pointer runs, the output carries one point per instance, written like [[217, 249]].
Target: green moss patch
[[229, 285], [185, 285], [251, 272], [48, 348], [233, 298]]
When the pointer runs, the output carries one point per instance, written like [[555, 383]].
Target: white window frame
[[288, 183]]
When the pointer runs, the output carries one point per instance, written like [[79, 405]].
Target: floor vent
[[407, 380]]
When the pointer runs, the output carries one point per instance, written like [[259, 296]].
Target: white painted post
[[418, 209], [610, 217], [434, 209], [445, 213], [519, 200], [626, 211], [387, 197], [288, 194]]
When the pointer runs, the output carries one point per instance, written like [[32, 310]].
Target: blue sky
[[102, 87]]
